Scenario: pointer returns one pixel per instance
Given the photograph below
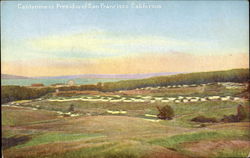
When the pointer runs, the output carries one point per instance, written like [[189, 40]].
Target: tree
[[71, 108], [166, 112], [241, 112], [99, 86]]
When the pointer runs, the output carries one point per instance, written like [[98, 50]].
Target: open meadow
[[124, 124]]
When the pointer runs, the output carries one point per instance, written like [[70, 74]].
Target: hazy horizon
[[156, 74], [99, 74]]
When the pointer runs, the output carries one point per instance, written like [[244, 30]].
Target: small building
[[56, 92], [37, 85], [71, 83]]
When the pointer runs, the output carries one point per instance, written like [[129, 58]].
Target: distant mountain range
[[6, 76], [122, 76]]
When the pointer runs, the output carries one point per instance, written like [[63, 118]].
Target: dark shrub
[[71, 108], [242, 114], [204, 119], [166, 112], [13, 141], [230, 118], [203, 125]]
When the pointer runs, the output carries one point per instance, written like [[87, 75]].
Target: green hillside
[[235, 75]]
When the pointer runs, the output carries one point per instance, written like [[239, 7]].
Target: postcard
[[125, 79]]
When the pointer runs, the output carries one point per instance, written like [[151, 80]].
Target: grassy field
[[105, 126]]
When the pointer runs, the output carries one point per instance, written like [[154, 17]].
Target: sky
[[45, 38]]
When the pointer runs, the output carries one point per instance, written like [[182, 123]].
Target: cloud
[[107, 43], [115, 53], [99, 44], [130, 64]]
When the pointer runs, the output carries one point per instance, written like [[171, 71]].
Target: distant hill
[[235, 75], [7, 76], [122, 76]]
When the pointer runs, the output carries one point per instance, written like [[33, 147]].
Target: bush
[[204, 119], [203, 125], [71, 108], [166, 112], [230, 118], [242, 114], [13, 141]]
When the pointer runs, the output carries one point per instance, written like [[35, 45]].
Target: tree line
[[12, 93], [235, 75]]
